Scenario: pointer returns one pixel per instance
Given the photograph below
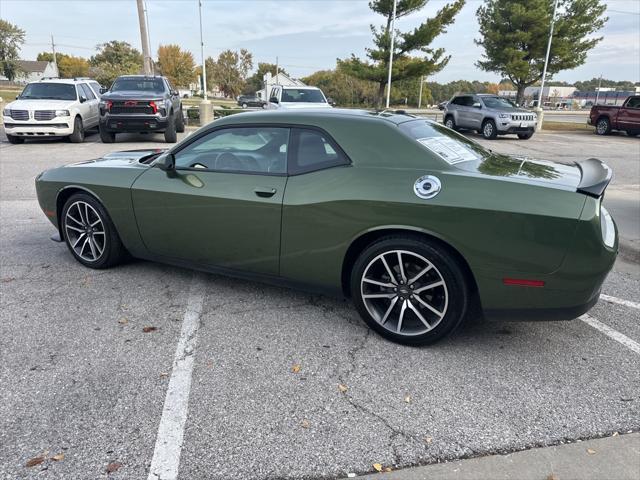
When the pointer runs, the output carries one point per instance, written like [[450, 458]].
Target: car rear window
[[138, 84], [450, 146], [49, 91], [302, 95]]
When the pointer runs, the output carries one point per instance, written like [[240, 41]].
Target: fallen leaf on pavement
[[428, 439], [149, 329], [34, 461], [407, 398], [113, 467], [387, 469], [591, 451], [552, 476], [58, 457], [615, 434], [305, 424], [296, 368], [8, 279], [342, 387], [378, 467], [163, 374], [123, 321]]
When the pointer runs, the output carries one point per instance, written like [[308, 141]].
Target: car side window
[[313, 150], [88, 93], [457, 101], [96, 88], [634, 102], [261, 150]]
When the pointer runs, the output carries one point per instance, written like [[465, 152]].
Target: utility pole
[[145, 38], [598, 91], [277, 68], [420, 96], [393, 39], [146, 18], [206, 112], [55, 59], [544, 69]]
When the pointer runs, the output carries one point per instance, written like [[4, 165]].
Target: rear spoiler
[[596, 175]]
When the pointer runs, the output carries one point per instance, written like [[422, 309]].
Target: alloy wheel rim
[[85, 231], [602, 126], [404, 292], [488, 130], [449, 123]]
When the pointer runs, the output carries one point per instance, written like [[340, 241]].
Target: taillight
[[153, 105]]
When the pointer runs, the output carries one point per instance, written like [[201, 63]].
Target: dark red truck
[[608, 117]]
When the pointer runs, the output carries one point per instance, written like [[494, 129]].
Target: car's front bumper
[[506, 125], [57, 127], [133, 123]]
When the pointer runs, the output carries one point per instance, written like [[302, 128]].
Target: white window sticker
[[448, 149]]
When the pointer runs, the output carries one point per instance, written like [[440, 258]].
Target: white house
[[280, 79], [33, 70]]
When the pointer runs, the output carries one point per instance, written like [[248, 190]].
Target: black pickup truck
[[140, 104]]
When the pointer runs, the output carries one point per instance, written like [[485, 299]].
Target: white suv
[[53, 108], [297, 97]]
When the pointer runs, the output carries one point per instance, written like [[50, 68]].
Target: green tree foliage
[[176, 64], [229, 72], [591, 85], [405, 66], [11, 39], [515, 34], [255, 82], [113, 59], [344, 89], [69, 66]]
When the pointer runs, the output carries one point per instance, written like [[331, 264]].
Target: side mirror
[[103, 90], [17, 97], [83, 99], [175, 93], [168, 163], [477, 105], [274, 100]]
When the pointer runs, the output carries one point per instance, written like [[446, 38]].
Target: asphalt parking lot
[[284, 384]]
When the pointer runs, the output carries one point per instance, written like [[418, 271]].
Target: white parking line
[[619, 301], [166, 454], [611, 333]]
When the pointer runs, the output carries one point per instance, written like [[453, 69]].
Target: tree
[[176, 64], [255, 82], [11, 39], [515, 35], [69, 66], [343, 89], [430, 61], [229, 72], [591, 85], [113, 59]]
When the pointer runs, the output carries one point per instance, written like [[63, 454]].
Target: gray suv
[[489, 115]]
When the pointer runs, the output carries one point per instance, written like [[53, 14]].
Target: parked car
[[250, 101], [419, 225], [297, 97], [489, 115], [612, 117], [141, 104], [53, 108]]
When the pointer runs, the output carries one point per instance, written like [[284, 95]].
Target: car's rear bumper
[[133, 123], [54, 128]]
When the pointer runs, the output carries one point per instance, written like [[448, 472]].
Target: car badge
[[427, 187], [130, 103]]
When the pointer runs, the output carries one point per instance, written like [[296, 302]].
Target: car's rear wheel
[[633, 133], [15, 140], [89, 233], [78, 131], [603, 126], [170, 135], [489, 130], [525, 136], [408, 290], [180, 122], [107, 137], [449, 122], [244, 105]]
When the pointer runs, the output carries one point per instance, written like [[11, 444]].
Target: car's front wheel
[[449, 122], [180, 121], [15, 140], [489, 130], [89, 233], [409, 290], [244, 105], [170, 133], [78, 131]]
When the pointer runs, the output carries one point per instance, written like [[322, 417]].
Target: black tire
[[170, 134], [489, 129], [78, 131], [603, 126], [633, 133], [454, 295], [525, 136], [113, 252], [15, 140], [107, 137], [449, 122], [180, 121]]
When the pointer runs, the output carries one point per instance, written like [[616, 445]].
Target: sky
[[305, 35]]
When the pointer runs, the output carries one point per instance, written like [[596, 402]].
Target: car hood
[[126, 158], [526, 170], [131, 94], [304, 105], [34, 104]]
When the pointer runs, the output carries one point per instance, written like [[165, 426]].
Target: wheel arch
[[361, 242], [603, 116]]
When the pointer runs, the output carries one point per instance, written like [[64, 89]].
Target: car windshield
[[49, 91], [302, 95], [138, 84], [450, 146], [497, 102]]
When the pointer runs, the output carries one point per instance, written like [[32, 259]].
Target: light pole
[[145, 39], [544, 69], [206, 113], [393, 39], [422, 79]]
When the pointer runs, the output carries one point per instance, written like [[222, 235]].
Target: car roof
[[150, 77], [68, 81], [309, 114]]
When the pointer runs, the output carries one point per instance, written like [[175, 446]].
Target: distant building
[[280, 79], [602, 97], [33, 70]]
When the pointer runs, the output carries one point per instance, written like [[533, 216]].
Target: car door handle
[[265, 192]]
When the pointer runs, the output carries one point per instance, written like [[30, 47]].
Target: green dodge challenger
[[418, 225]]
